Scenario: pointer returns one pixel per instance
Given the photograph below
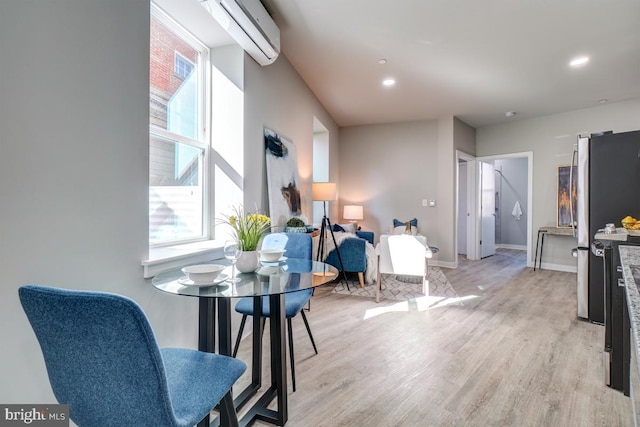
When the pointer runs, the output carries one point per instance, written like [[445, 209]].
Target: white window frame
[[204, 142]]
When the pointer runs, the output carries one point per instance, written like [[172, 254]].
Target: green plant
[[249, 227], [295, 222]]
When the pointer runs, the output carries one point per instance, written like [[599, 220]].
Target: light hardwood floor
[[513, 355]]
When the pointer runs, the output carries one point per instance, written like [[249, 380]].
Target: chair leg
[[291, 353], [291, 356], [425, 285], [229, 409], [237, 345], [361, 279], [306, 323], [379, 282]]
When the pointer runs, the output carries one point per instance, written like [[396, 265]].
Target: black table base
[[278, 389]]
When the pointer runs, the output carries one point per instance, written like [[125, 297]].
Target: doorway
[[510, 220]]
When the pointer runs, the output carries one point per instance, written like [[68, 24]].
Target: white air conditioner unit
[[250, 25]]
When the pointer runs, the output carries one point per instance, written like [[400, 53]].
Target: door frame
[[529, 156], [472, 230]]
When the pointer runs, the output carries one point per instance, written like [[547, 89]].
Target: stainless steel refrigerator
[[608, 189]]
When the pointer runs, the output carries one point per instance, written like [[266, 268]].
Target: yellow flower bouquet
[[249, 227]]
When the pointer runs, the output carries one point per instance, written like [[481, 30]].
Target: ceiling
[[472, 59]]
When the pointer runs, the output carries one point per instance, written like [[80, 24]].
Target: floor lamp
[[325, 192]]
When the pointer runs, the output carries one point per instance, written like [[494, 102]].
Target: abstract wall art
[[282, 178], [567, 195]]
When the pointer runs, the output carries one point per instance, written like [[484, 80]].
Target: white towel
[[517, 211]]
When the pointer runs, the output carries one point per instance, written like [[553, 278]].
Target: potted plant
[[295, 225], [248, 227]]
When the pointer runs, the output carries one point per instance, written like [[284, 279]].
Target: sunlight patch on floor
[[416, 304]]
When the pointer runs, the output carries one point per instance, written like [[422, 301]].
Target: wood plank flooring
[[514, 354]]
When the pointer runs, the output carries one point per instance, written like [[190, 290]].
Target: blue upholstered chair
[[353, 254], [103, 360], [297, 245]]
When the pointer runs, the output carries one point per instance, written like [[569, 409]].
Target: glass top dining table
[[272, 280]]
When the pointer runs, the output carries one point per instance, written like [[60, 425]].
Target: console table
[[554, 231]]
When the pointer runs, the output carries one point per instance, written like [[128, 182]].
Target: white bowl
[[271, 255], [203, 273]]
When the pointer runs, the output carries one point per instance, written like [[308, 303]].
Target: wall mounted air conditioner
[[250, 25]]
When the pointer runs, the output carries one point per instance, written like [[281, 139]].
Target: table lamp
[[353, 213]]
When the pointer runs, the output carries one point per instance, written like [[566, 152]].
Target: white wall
[[276, 97], [390, 169], [74, 164], [551, 139]]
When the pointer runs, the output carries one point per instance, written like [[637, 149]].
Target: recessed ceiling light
[[382, 61], [389, 82], [510, 113], [602, 101], [579, 61]]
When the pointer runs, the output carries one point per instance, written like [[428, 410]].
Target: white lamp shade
[[353, 212], [324, 191]]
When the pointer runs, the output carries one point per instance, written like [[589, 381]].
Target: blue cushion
[[352, 253], [398, 223], [293, 302], [366, 235], [195, 378], [337, 227]]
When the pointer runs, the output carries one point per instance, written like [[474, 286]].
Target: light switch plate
[[432, 203], [425, 202]]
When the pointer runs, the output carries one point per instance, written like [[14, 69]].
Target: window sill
[[166, 258]]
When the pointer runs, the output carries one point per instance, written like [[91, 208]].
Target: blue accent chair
[[353, 254], [103, 360], [297, 245]]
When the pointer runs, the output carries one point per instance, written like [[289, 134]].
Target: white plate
[[282, 259], [185, 281]]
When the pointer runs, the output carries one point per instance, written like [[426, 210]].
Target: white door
[[487, 210]]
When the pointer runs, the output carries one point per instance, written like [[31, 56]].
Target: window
[[178, 141], [182, 67]]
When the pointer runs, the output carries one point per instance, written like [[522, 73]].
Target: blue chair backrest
[[101, 356], [298, 245]]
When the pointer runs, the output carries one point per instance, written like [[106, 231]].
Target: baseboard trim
[[436, 263], [556, 267], [516, 247]]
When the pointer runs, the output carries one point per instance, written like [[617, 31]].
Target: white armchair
[[402, 254]]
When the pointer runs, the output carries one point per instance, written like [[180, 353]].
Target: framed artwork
[[282, 178], [567, 195]]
